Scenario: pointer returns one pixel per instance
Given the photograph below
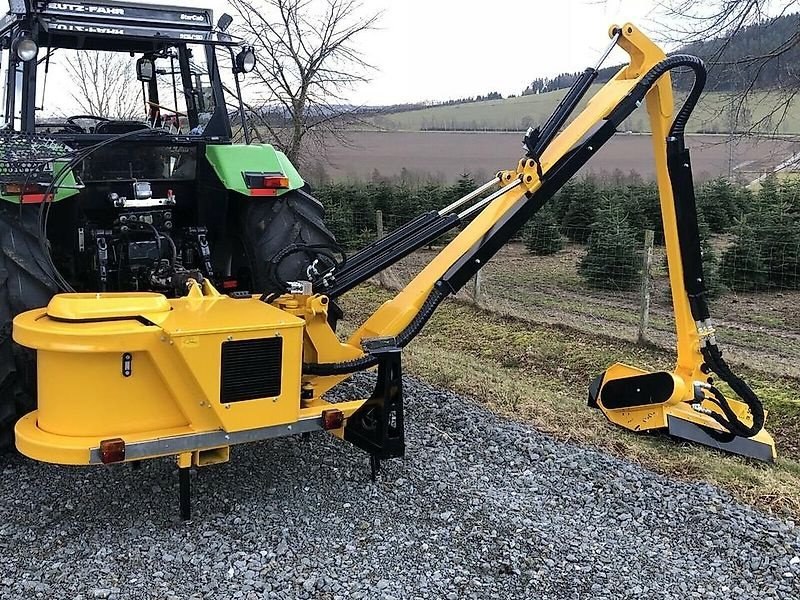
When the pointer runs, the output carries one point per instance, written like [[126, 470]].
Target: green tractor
[[137, 202]]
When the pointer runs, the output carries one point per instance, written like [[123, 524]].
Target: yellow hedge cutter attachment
[[131, 376]]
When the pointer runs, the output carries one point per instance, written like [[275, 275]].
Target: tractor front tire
[[282, 237], [26, 282]]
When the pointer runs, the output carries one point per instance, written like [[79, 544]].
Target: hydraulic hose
[[639, 91], [402, 339], [700, 74], [713, 357]]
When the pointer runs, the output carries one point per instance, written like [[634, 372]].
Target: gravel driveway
[[481, 507]]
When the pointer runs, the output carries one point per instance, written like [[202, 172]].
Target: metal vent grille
[[251, 369]]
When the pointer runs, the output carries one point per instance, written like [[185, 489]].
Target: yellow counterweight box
[[154, 371]]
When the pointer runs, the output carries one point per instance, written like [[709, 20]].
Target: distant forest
[[740, 62]]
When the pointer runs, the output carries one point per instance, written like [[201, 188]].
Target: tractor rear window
[[127, 162]]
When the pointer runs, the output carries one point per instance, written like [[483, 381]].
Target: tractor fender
[[231, 161]]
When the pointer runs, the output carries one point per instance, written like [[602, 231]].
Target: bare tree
[[713, 27], [307, 63], [105, 84]]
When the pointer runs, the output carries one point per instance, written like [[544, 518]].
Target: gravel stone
[[480, 507]]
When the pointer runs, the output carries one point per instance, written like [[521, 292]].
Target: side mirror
[[224, 22], [245, 61], [145, 69]]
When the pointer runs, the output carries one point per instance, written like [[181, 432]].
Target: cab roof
[[110, 25]]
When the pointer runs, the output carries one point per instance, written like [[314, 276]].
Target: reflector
[[15, 189], [332, 418], [112, 451]]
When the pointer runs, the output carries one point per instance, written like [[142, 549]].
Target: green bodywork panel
[[230, 161], [66, 188]]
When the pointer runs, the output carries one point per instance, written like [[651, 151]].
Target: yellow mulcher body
[[126, 377]]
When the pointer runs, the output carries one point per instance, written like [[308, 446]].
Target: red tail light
[[273, 182], [36, 198], [265, 184], [18, 189], [112, 451]]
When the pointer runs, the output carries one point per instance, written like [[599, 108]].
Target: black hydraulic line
[[404, 245], [713, 357], [403, 338], [700, 75], [638, 92], [378, 246], [384, 252]]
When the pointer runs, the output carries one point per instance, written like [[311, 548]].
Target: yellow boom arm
[[679, 401]]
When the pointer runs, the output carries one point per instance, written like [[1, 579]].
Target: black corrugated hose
[[713, 357], [370, 360], [639, 91]]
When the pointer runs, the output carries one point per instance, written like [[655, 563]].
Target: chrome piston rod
[[489, 199], [469, 197]]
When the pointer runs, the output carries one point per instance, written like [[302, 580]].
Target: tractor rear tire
[[282, 237], [26, 282]]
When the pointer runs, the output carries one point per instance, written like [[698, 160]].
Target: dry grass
[[539, 373]]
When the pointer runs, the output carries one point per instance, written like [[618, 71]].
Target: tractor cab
[[82, 73], [91, 48]]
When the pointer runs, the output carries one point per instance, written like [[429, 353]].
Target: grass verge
[[539, 373]]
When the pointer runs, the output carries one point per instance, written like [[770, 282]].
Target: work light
[[245, 60], [25, 48]]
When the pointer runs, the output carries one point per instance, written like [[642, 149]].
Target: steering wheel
[[71, 120]]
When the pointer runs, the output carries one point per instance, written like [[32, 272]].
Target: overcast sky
[[442, 49], [429, 50]]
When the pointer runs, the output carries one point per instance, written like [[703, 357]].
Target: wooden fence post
[[644, 307], [477, 287], [379, 223]]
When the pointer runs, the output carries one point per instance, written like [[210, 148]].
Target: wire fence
[[615, 282]]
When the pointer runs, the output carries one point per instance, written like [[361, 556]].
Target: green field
[[515, 114]]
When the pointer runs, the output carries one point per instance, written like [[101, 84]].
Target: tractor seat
[[116, 127]]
